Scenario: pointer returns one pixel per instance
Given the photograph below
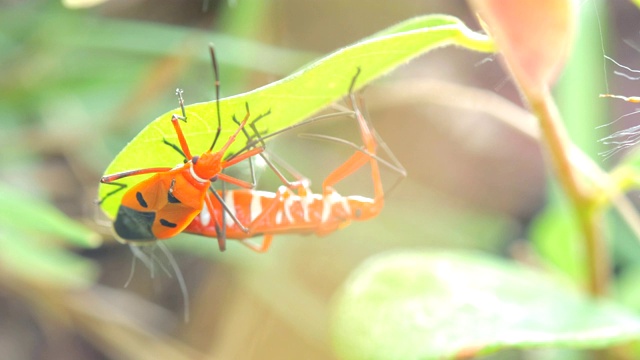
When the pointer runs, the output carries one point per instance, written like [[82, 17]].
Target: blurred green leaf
[[31, 216], [294, 98], [28, 227], [437, 305], [630, 162], [43, 263], [627, 289], [556, 237], [59, 28]]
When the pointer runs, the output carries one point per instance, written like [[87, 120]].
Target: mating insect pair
[[296, 209], [181, 198]]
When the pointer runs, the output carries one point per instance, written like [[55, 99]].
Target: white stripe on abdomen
[[229, 200], [256, 206]]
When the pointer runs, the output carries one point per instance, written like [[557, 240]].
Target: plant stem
[[589, 215]]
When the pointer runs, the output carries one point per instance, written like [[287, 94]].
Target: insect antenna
[[149, 262], [217, 85], [179, 277]]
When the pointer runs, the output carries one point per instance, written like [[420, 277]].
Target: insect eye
[[195, 159], [215, 178]]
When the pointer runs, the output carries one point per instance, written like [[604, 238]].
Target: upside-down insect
[[163, 205], [285, 211]]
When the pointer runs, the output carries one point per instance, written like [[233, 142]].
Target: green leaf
[[28, 250], [32, 216], [435, 305], [626, 286], [293, 98], [38, 262], [556, 236]]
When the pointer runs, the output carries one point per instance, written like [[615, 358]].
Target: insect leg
[[217, 85], [175, 121], [120, 187], [262, 248], [229, 211]]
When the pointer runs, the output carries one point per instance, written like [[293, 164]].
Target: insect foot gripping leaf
[[161, 206], [267, 214]]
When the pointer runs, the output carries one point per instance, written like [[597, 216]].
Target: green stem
[[589, 215]]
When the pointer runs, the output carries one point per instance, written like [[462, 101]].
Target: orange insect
[[285, 211], [164, 204]]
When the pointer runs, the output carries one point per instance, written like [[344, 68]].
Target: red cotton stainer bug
[[163, 205], [267, 214]]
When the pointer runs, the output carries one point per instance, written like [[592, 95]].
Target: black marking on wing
[[166, 223], [172, 199], [141, 200]]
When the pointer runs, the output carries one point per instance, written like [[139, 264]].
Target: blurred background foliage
[[77, 84]]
